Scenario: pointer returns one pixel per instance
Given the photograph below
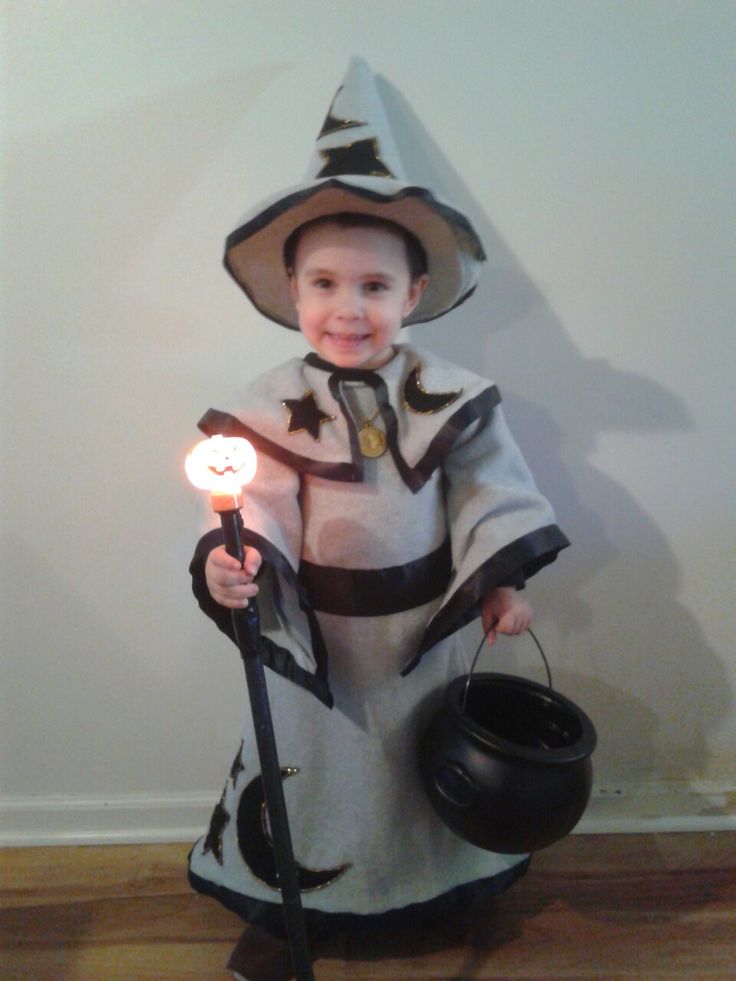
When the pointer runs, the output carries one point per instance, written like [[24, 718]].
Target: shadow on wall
[[657, 650]]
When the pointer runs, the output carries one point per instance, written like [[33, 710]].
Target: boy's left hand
[[505, 612]]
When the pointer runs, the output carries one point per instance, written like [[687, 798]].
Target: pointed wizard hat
[[355, 168]]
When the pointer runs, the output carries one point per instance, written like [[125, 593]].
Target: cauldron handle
[[480, 648]]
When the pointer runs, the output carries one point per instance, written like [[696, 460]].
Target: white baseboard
[[660, 806], [98, 820], [623, 809]]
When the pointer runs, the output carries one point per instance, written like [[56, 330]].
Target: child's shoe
[[258, 956]]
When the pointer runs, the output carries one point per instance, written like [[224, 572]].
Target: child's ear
[[416, 291]]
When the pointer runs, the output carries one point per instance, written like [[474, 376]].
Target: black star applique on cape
[[360, 157], [305, 415]]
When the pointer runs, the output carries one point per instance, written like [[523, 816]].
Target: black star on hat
[[360, 157], [333, 124], [305, 415]]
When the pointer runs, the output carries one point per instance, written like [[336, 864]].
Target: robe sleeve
[[292, 644], [502, 530]]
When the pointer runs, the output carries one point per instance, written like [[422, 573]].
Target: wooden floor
[[623, 906]]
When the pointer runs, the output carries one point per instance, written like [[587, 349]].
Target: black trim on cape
[[414, 477], [270, 916], [215, 422]]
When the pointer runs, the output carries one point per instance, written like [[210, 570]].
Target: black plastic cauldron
[[506, 762]]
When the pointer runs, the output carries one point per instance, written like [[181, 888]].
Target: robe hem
[[270, 916]]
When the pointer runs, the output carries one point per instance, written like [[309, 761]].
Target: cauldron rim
[[578, 750]]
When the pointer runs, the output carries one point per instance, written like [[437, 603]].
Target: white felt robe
[[371, 566]]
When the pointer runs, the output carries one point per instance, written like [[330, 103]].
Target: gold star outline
[[306, 416]]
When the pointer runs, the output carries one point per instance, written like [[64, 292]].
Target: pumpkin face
[[221, 464], [227, 456]]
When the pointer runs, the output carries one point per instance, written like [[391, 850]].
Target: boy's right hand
[[229, 585]]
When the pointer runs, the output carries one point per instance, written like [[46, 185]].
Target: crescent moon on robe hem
[[255, 844], [218, 822], [238, 767], [419, 400]]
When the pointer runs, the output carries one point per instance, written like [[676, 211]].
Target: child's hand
[[228, 584], [505, 612]]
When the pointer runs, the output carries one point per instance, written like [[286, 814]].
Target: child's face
[[352, 290]]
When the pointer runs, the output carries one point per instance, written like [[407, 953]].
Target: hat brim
[[254, 251]]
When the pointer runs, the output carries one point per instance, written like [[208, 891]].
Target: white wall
[[592, 143]]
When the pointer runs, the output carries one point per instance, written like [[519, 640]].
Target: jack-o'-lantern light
[[223, 465]]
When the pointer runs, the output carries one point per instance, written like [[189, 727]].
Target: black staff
[[246, 625], [222, 466]]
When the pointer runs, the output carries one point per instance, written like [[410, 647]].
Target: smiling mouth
[[347, 340]]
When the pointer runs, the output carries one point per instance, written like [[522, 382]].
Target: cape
[[442, 424]]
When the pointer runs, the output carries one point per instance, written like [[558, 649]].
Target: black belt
[[377, 592]]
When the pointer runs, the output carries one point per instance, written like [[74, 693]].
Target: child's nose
[[350, 303]]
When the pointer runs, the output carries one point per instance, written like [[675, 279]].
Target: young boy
[[391, 506], [352, 284]]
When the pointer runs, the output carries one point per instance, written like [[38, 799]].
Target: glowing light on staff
[[222, 465]]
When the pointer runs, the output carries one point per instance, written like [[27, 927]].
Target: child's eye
[[322, 283], [376, 286]]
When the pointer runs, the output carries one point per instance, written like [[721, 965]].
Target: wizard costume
[[386, 505]]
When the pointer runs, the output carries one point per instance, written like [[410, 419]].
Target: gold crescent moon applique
[[254, 841], [417, 399]]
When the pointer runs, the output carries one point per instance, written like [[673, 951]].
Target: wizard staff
[[223, 466]]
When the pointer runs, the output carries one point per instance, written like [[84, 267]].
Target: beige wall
[[593, 146]]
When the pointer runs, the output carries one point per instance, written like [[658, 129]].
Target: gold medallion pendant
[[372, 441]]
